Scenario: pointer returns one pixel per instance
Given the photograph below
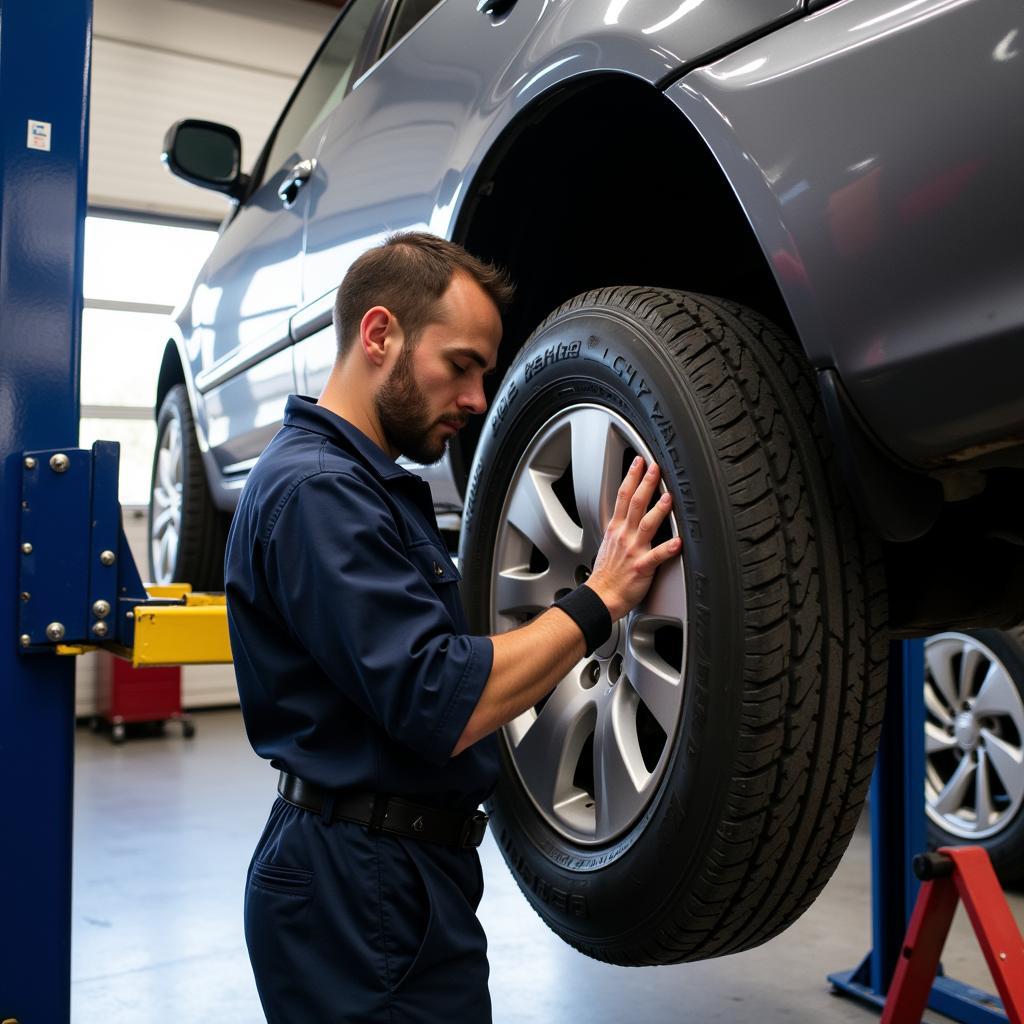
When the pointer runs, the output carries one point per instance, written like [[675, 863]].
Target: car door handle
[[495, 8], [294, 180]]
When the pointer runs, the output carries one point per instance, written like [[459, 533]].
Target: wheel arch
[[171, 372], [622, 190]]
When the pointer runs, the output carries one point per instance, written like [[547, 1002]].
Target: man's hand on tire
[[626, 562]]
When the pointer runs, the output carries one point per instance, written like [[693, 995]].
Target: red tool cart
[[126, 694]]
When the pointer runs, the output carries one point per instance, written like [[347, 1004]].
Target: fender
[[885, 195], [431, 109]]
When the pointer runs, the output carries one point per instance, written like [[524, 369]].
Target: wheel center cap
[[966, 731], [611, 645]]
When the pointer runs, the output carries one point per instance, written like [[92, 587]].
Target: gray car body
[[876, 148]]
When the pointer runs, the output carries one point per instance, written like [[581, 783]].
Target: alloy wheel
[[974, 738], [592, 754], [165, 520]]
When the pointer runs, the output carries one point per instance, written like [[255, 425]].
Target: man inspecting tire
[[357, 676]]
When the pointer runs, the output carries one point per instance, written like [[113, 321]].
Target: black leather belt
[[387, 813]]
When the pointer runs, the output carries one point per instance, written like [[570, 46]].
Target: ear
[[378, 326]]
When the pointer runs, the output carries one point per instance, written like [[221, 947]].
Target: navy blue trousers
[[344, 926]]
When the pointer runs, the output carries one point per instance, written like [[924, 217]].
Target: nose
[[474, 400]]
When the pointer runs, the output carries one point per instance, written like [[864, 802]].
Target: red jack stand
[[956, 873]]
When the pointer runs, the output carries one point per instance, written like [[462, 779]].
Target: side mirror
[[206, 154]]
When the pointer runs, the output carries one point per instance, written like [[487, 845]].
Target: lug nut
[[59, 462], [101, 609], [55, 631], [107, 557]]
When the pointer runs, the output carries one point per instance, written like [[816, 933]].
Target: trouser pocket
[[280, 879]]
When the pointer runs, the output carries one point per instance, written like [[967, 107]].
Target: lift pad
[[193, 633]]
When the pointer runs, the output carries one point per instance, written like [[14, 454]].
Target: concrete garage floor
[[164, 829]]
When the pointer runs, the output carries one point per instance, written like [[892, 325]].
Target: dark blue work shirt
[[351, 647]]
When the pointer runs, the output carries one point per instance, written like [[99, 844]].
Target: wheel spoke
[[537, 513], [657, 684], [951, 799], [160, 558], [161, 499], [547, 751], [998, 695], [166, 472], [933, 703], [942, 673], [597, 450], [165, 518], [170, 539], [936, 739], [982, 797], [619, 773], [1008, 763], [969, 663], [667, 596], [521, 592]]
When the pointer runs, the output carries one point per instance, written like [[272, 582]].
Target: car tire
[[187, 532], [974, 744], [692, 787]]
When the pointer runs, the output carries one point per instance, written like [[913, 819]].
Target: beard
[[404, 414]]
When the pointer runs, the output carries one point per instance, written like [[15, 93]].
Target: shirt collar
[[303, 412]]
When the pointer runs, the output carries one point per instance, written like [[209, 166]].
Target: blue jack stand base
[[898, 833], [953, 998]]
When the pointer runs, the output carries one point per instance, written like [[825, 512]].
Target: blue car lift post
[[44, 80], [898, 834]]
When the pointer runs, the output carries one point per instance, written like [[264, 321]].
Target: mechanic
[[357, 675]]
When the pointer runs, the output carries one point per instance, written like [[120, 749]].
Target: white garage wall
[[156, 61]]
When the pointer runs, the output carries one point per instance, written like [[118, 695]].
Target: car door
[[253, 281], [376, 180]]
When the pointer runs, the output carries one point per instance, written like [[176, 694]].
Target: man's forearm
[[528, 662]]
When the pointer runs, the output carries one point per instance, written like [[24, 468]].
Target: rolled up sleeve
[[338, 570]]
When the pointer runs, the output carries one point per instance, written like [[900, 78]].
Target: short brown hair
[[408, 274]]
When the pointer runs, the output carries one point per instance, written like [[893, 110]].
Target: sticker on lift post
[[39, 135]]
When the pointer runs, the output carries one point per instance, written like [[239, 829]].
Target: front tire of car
[[688, 790], [187, 532]]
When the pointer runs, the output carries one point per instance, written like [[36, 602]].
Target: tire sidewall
[[174, 407], [601, 355]]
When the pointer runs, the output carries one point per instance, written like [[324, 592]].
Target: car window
[[324, 85], [410, 12]]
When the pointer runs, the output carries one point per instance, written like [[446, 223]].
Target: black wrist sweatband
[[590, 613]]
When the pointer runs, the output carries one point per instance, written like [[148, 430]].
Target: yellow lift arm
[[192, 632]]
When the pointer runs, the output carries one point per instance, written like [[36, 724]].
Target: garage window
[[135, 273]]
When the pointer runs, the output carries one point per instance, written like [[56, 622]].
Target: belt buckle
[[473, 830]]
